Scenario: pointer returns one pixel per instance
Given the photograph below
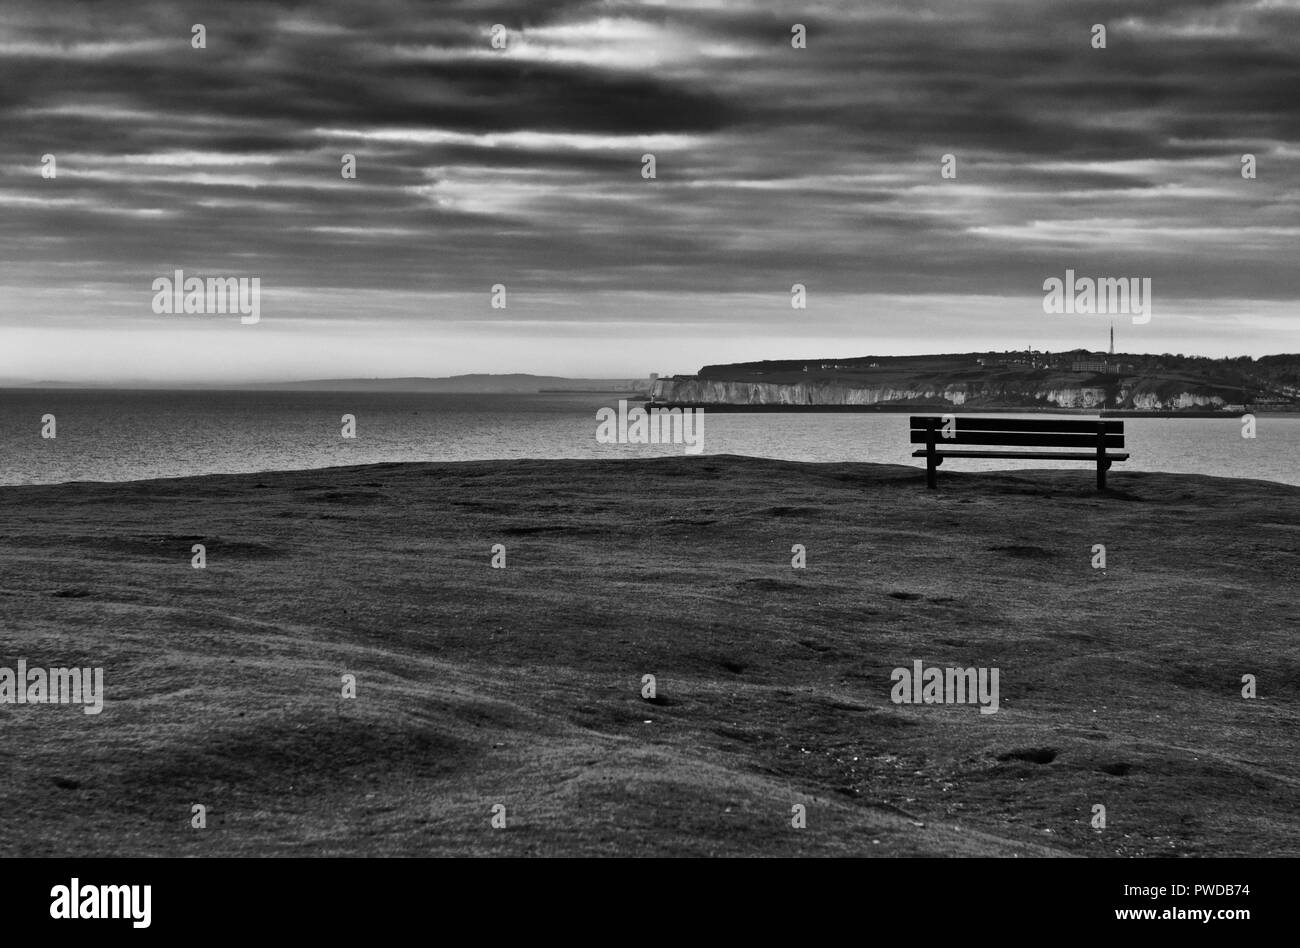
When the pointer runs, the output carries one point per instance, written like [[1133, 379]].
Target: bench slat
[[1040, 439], [1073, 425], [1043, 455]]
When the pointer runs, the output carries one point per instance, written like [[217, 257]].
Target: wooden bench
[[1101, 436]]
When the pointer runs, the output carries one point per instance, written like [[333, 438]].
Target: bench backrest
[[1029, 432]]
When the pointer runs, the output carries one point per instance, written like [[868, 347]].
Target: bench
[[1095, 434]]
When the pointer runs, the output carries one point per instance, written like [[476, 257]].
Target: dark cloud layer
[[479, 166]]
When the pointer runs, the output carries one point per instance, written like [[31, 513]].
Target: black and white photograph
[[589, 430]]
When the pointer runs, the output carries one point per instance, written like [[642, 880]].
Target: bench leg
[[1102, 462], [1102, 468], [931, 462], [931, 465]]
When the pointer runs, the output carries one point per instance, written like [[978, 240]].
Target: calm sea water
[[126, 435]]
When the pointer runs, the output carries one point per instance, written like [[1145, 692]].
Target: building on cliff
[[1098, 366]]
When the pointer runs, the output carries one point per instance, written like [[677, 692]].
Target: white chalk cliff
[[719, 392]]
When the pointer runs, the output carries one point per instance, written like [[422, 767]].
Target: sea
[[121, 435]]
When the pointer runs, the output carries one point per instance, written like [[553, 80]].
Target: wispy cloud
[[522, 166]]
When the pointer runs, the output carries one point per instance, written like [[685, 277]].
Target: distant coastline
[[950, 409], [477, 384], [1118, 384]]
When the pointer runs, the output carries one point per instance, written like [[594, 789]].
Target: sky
[[523, 166]]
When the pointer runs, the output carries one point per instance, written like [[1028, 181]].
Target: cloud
[[523, 165]]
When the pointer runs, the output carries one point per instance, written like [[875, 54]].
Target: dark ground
[[521, 686]]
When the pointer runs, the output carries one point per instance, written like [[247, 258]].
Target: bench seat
[[1044, 455]]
